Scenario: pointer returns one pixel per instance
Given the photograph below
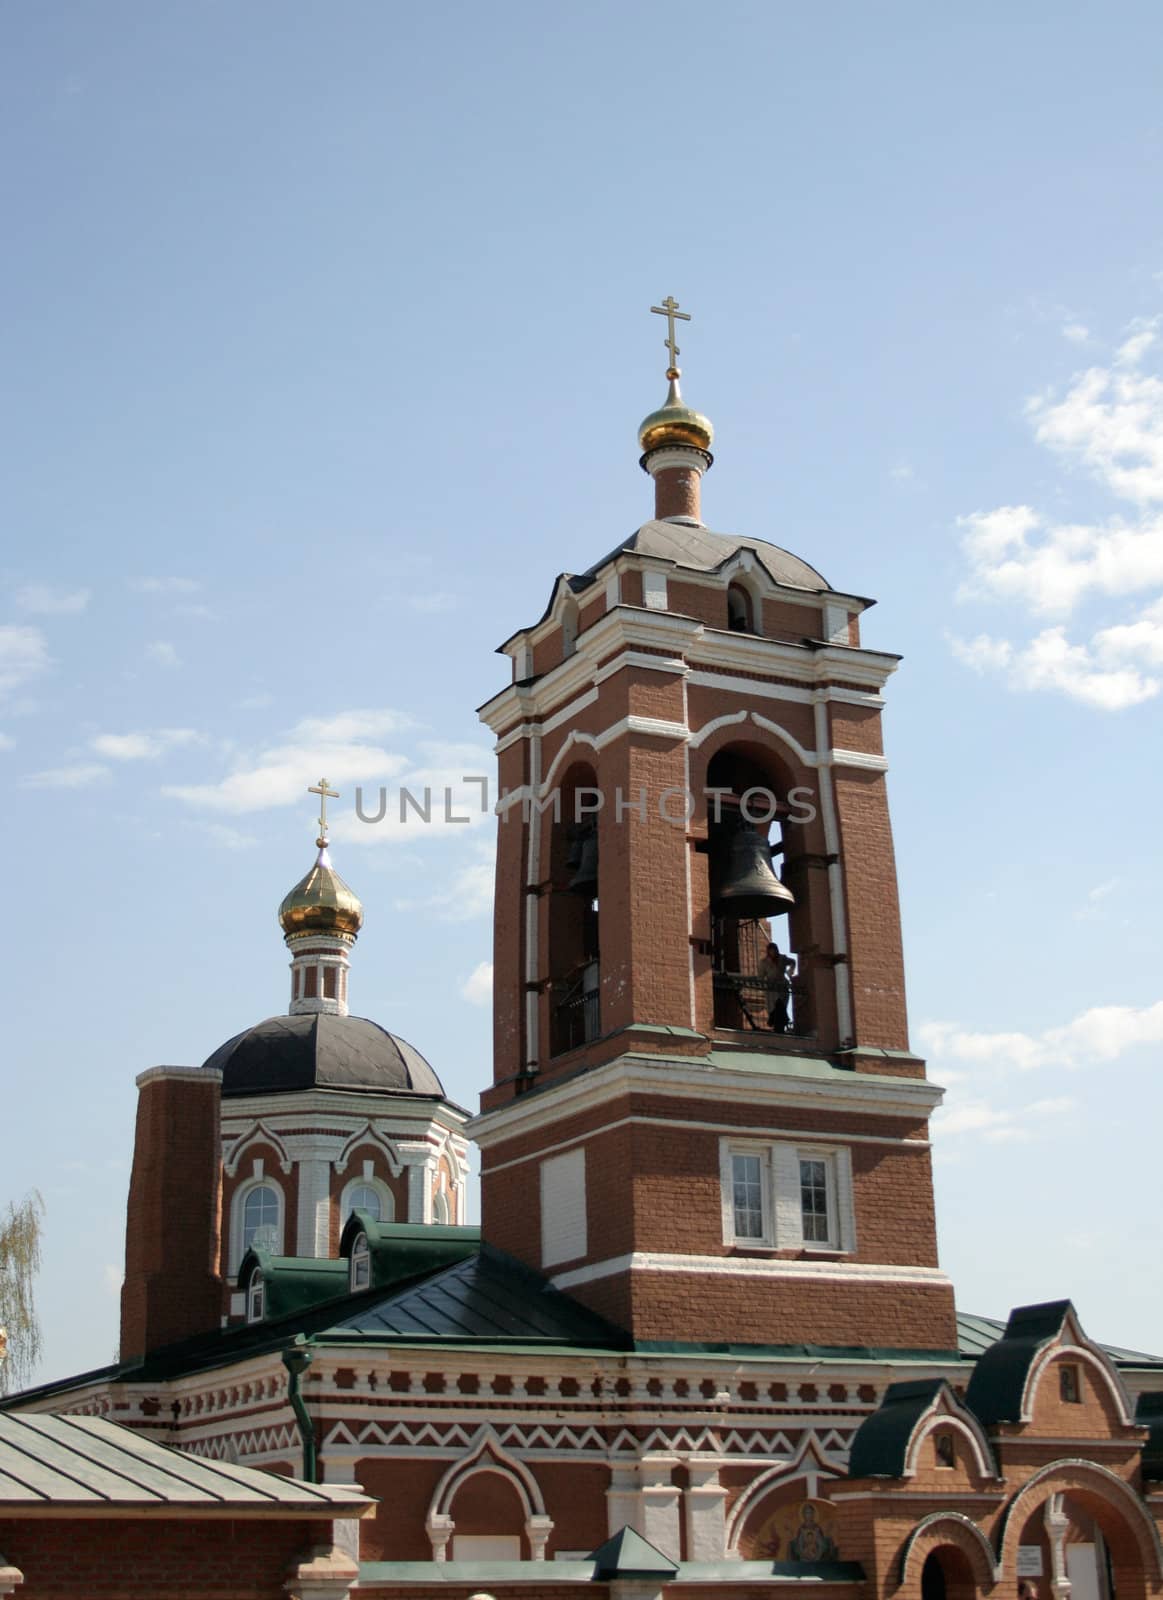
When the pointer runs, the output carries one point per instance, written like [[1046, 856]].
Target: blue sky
[[326, 337]]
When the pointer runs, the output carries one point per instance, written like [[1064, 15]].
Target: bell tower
[[705, 1120]]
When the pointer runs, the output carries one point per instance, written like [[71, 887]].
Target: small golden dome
[[675, 424], [321, 902]]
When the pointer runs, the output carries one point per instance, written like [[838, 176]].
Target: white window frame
[[238, 1217], [827, 1159], [729, 1150], [782, 1202], [361, 1257], [255, 1298]]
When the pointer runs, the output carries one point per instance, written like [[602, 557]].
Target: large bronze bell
[[583, 858], [745, 885]]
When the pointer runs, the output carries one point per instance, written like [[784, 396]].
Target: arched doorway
[[947, 1575]]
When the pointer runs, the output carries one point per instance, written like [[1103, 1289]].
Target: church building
[[701, 1342]]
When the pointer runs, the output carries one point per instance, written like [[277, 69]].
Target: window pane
[[814, 1201], [747, 1181], [363, 1198], [260, 1219]]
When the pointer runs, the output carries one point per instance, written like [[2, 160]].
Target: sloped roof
[[626, 1554], [689, 544], [81, 1463], [489, 1297]]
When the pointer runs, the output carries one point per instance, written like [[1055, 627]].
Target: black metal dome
[[319, 1050]]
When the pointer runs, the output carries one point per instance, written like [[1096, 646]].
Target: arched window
[[255, 1298], [361, 1263], [573, 969], [362, 1197], [740, 609], [367, 1194], [261, 1211], [755, 970]]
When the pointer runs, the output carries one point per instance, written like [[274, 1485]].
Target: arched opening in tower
[[574, 950], [757, 981]]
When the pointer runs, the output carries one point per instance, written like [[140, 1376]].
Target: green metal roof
[[292, 1283], [88, 1463], [488, 1575], [626, 1554], [402, 1250], [489, 1296]]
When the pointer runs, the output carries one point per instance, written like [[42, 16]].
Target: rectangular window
[[329, 983], [814, 1201], [1070, 1384], [747, 1191], [310, 981]]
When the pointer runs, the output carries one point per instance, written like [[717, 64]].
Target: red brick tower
[[691, 716]]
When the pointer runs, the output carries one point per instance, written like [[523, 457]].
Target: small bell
[[583, 858]]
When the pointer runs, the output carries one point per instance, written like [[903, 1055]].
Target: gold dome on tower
[[321, 902], [675, 424]]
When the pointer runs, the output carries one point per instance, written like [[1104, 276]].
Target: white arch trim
[[1073, 1345], [946, 1414], [1119, 1496], [808, 757], [575, 738], [950, 1519], [259, 1134], [487, 1454], [809, 1463], [369, 1134], [358, 1181]]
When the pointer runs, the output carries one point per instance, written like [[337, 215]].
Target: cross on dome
[[323, 792], [669, 310]]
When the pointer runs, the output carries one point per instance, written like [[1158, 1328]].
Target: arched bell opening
[[757, 930], [574, 949], [947, 1575]]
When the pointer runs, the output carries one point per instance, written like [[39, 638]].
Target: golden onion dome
[[321, 902], [675, 424]]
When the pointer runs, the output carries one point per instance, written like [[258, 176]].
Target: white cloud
[[1075, 332], [23, 654], [465, 893], [164, 585], [279, 775], [163, 652], [143, 746], [902, 472], [7, 742], [48, 601], [477, 988], [999, 1124], [1109, 422], [1104, 1033], [221, 833], [1066, 562], [79, 776], [434, 602], [256, 702], [1050, 661]]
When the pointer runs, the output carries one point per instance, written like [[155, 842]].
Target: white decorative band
[[750, 1267], [667, 460]]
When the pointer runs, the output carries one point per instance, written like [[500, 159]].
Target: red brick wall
[[156, 1558]]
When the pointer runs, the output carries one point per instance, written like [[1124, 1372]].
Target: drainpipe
[[296, 1360]]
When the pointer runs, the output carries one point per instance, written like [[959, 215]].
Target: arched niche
[[755, 802], [573, 946]]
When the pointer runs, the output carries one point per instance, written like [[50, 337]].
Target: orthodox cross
[[323, 792], [669, 310]]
